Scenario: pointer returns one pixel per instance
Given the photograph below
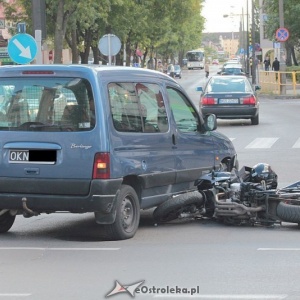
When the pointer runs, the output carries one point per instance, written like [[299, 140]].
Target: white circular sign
[[109, 44]]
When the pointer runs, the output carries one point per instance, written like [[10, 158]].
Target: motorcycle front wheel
[[172, 208]]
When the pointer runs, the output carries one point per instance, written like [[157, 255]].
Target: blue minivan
[[107, 140]]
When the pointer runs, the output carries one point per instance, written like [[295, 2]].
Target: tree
[[291, 13], [159, 28]]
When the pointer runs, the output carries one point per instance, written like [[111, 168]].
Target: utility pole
[[39, 25], [247, 52], [282, 51]]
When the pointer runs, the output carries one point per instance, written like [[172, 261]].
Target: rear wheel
[[127, 215], [6, 222], [173, 207], [255, 120]]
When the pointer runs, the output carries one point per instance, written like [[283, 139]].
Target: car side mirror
[[210, 122], [257, 87]]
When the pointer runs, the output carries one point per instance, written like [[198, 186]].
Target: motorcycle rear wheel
[[288, 212], [172, 208]]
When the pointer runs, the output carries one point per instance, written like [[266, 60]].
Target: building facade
[[266, 45]]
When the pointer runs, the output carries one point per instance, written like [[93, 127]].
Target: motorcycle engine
[[235, 192], [245, 193]]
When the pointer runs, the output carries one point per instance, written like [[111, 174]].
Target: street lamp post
[[253, 69], [247, 38], [232, 32], [247, 46]]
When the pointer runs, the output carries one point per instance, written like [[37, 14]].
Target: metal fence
[[279, 83]]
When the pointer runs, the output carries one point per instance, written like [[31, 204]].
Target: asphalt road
[[62, 256], [274, 141]]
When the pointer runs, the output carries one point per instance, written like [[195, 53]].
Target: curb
[[282, 97]]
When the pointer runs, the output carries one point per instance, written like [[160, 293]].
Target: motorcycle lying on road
[[247, 196]]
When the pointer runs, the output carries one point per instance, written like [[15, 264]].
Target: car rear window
[[46, 104], [231, 85]]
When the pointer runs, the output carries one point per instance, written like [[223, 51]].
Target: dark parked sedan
[[230, 97], [177, 71]]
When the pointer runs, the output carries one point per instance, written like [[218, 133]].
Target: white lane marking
[[15, 295], [261, 143], [59, 249], [297, 144], [278, 249], [230, 297]]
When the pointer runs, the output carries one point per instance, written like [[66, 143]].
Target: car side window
[[137, 107], [186, 117]]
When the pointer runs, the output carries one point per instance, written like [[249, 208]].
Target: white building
[[266, 45]]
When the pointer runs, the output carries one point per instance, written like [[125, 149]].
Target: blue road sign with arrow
[[22, 48]]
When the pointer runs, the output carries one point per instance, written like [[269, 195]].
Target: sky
[[213, 11]]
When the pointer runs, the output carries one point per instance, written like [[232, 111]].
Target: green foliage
[[210, 52], [164, 28], [291, 12]]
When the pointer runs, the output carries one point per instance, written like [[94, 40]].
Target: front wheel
[[127, 215], [288, 212], [172, 208], [6, 222]]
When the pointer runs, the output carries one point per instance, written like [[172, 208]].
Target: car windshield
[[177, 68], [232, 85], [52, 104]]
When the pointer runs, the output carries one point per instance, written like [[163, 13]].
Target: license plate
[[228, 101], [33, 156], [18, 156]]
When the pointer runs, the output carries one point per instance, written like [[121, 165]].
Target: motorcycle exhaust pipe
[[232, 208], [234, 212], [242, 207]]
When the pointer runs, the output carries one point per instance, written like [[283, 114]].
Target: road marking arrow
[[25, 52]]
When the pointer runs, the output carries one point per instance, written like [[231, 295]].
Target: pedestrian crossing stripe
[[262, 143], [297, 144], [265, 143]]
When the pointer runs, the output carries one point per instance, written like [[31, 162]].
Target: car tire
[[255, 120], [127, 215], [6, 222]]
